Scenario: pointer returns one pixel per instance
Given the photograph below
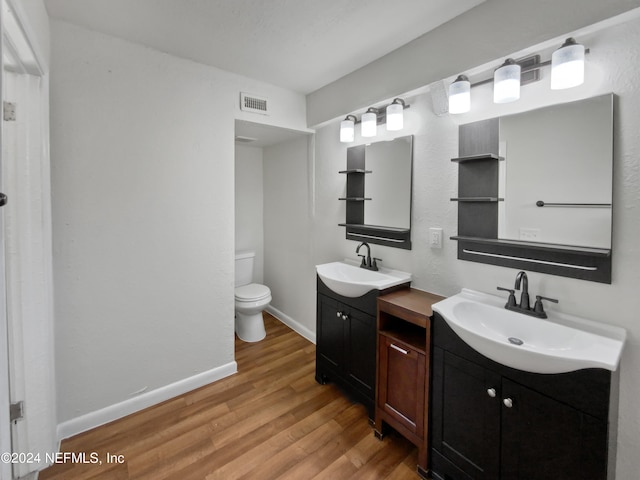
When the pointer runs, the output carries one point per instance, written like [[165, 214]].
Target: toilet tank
[[244, 268]]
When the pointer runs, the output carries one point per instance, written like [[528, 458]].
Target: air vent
[[251, 103]]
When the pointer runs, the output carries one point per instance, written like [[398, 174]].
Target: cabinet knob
[[338, 314], [345, 317], [508, 402], [491, 392]]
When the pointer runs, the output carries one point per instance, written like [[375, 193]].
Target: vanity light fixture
[[567, 71], [567, 65], [369, 127], [506, 82], [348, 129], [392, 114], [460, 95], [395, 115]]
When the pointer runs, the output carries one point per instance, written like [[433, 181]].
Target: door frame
[[27, 270]]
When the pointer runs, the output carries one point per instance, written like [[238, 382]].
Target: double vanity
[[483, 391], [486, 386]]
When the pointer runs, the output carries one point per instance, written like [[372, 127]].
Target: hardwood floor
[[270, 420]]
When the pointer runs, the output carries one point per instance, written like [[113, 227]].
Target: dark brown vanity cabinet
[[492, 422], [346, 343]]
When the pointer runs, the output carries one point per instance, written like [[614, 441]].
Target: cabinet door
[[543, 438], [469, 431], [361, 350], [330, 332], [402, 381]]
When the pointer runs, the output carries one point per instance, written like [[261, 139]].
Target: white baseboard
[[113, 412], [294, 325]]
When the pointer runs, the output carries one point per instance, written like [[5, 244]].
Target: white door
[[26, 319]]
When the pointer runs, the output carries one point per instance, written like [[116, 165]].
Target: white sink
[[350, 280], [561, 343]]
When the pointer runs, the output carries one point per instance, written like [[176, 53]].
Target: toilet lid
[[252, 292]]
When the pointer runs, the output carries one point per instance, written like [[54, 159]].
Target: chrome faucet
[[525, 305], [366, 261]]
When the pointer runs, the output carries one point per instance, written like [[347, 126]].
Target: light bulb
[[347, 129], [395, 115], [506, 82], [567, 65], [369, 126], [460, 95]]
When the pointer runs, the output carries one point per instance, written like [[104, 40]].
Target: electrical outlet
[[530, 234], [435, 237]]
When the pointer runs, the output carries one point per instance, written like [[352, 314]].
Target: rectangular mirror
[[535, 190], [557, 175], [389, 183], [378, 192]]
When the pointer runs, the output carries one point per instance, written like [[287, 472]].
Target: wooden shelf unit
[[403, 364]]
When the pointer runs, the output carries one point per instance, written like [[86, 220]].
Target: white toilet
[[251, 300]]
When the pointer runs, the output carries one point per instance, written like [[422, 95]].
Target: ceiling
[[300, 45]]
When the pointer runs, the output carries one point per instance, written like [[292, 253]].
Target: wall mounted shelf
[[355, 170], [376, 227], [477, 199], [551, 247], [473, 158]]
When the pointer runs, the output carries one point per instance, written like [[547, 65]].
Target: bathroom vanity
[[490, 421], [346, 340], [346, 343]]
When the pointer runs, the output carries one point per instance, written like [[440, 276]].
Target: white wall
[[612, 67], [143, 185], [249, 205], [288, 216], [142, 197]]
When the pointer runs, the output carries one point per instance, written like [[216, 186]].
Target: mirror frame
[[355, 199], [478, 199]]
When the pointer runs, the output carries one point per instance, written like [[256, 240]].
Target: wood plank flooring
[[271, 420]]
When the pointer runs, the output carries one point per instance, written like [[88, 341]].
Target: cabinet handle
[[491, 392], [508, 402], [399, 349]]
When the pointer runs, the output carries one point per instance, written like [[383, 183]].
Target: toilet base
[[250, 327]]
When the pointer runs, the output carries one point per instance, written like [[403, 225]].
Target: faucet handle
[[538, 307], [363, 264], [375, 263], [511, 301]]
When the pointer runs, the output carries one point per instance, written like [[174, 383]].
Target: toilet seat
[[254, 292]]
